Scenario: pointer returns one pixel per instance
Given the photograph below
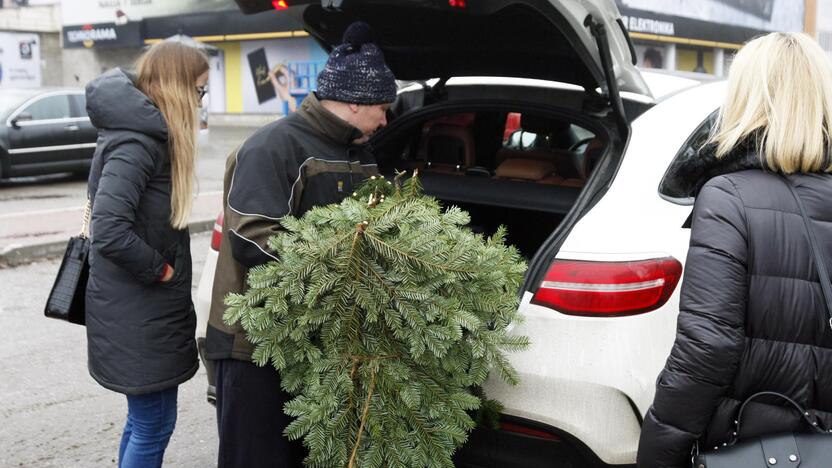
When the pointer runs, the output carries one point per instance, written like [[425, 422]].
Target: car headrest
[[448, 144], [543, 125]]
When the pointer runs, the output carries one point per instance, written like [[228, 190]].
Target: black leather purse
[[812, 449], [805, 450], [67, 298]]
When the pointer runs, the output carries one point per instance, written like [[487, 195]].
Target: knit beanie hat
[[355, 72]]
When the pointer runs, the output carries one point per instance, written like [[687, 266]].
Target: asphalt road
[[52, 413]]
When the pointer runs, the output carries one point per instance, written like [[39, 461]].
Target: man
[[310, 158]]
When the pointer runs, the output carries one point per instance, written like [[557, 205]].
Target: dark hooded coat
[[140, 331], [752, 316]]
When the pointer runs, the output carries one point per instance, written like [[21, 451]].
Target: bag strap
[[85, 221], [803, 412], [735, 436], [820, 262]]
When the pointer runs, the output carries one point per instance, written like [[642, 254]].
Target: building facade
[[703, 35], [243, 49]]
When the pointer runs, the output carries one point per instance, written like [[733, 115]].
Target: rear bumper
[[601, 422], [589, 378]]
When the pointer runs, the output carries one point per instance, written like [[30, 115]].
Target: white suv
[[525, 126]]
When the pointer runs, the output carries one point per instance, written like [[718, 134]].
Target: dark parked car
[[46, 131]]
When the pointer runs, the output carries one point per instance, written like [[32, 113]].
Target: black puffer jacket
[[140, 332], [752, 314]]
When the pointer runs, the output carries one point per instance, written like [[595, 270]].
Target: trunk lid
[[423, 39]]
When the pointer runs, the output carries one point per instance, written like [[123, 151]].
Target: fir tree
[[383, 315]]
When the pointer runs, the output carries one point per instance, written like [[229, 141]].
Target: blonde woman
[[140, 319], [752, 314]]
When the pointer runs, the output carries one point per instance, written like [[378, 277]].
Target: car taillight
[[608, 289], [216, 236], [280, 4], [456, 3]]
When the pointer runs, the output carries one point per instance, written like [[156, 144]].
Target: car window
[[79, 105], [51, 107], [688, 151], [521, 140], [581, 133]]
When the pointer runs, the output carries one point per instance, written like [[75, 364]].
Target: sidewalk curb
[[15, 256]]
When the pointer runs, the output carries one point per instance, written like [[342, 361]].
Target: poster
[[259, 67], [258, 94], [19, 60]]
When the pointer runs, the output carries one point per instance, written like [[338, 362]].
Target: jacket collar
[[325, 122], [686, 175]]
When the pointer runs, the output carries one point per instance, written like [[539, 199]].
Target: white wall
[[31, 19], [77, 12]]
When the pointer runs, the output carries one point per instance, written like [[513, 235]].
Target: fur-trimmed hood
[[689, 172]]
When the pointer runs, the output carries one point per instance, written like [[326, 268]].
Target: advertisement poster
[[762, 15], [260, 75], [19, 60], [260, 57]]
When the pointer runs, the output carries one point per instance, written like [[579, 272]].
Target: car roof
[[32, 92], [665, 83]]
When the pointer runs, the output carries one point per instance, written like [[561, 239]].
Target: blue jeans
[[150, 421]]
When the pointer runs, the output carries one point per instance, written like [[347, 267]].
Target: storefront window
[[695, 60]]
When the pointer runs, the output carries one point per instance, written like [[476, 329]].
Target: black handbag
[[67, 298], [812, 449], [807, 450]]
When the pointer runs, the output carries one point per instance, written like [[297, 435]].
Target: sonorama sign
[[102, 35]]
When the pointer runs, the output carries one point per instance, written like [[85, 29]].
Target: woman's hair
[[167, 74], [780, 94]]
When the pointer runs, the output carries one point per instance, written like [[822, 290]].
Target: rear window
[[559, 137]]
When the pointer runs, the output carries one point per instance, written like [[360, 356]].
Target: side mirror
[[21, 117]]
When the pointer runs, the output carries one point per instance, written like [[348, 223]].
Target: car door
[[43, 136], [87, 134]]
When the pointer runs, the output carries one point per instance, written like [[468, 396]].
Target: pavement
[[52, 413]]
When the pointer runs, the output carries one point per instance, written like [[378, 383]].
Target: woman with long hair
[[752, 316], [140, 318]]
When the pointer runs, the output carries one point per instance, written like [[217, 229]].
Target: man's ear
[[354, 108]]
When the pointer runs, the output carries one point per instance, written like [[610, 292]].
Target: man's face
[[368, 119]]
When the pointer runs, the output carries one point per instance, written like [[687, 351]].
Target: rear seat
[[447, 144]]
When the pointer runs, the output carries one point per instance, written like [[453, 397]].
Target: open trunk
[[582, 43], [508, 166]]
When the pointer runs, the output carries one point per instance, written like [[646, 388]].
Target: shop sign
[[102, 35]]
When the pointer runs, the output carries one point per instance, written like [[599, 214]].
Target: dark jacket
[[140, 332], [287, 167], [752, 316]]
